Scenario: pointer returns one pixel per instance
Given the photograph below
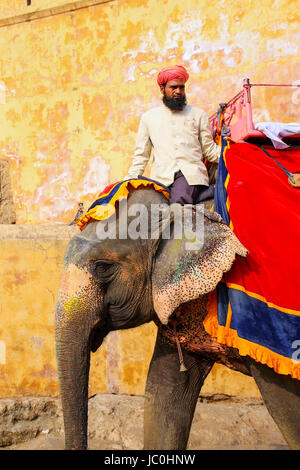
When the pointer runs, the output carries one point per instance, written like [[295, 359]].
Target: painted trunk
[[78, 313]]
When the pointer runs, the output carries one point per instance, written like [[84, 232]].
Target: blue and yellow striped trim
[[104, 206], [255, 328]]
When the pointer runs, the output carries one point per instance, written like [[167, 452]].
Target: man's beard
[[175, 104]]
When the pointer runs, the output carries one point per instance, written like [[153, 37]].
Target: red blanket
[[259, 301]]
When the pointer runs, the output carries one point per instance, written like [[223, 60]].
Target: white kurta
[[180, 140]]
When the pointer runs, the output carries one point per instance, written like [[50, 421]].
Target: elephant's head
[[123, 282]]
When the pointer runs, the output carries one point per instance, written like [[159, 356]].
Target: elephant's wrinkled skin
[[116, 284]]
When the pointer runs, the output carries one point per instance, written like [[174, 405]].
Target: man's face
[[174, 94], [174, 88]]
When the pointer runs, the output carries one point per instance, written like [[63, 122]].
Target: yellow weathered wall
[[30, 270], [73, 85], [15, 10]]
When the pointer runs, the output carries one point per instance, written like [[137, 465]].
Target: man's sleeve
[[210, 149], [142, 152]]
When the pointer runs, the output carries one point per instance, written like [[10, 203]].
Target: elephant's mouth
[[128, 312], [98, 333]]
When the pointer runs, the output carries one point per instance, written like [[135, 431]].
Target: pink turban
[[170, 73]]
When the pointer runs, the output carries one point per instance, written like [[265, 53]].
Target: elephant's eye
[[104, 270]]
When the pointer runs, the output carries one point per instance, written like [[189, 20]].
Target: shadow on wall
[[7, 210]]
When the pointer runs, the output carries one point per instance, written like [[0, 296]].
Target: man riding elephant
[[180, 137]]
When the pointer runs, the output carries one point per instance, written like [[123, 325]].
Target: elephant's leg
[[281, 395], [171, 397]]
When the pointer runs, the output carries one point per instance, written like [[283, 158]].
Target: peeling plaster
[[2, 352], [3, 92], [96, 177]]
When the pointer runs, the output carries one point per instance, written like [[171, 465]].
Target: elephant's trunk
[[73, 359], [78, 312]]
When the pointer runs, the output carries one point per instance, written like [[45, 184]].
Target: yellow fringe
[[225, 335]]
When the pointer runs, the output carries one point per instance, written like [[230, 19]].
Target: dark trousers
[[183, 193]]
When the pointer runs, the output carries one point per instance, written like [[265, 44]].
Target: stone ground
[[116, 423]]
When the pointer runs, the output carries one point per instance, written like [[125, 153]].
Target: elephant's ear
[[181, 275]]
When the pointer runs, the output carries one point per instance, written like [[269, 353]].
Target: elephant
[[116, 283]]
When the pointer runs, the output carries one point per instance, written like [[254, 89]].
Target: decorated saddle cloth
[[258, 309], [104, 205]]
